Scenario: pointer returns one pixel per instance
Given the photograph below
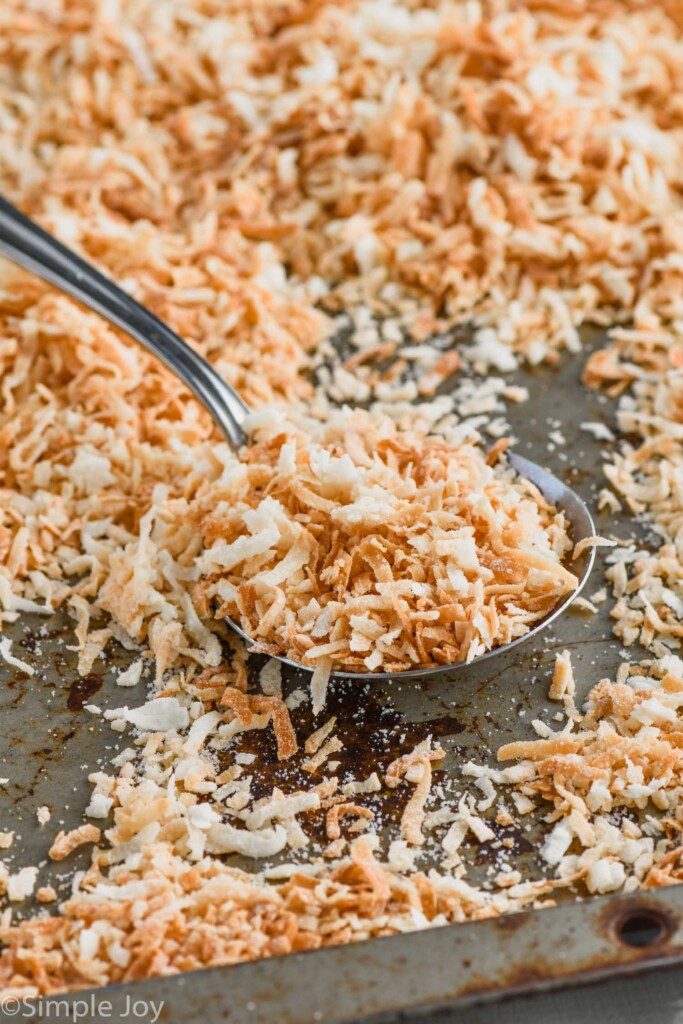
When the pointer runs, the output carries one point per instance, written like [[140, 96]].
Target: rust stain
[[509, 922], [574, 475], [616, 958], [81, 690], [373, 734], [540, 972]]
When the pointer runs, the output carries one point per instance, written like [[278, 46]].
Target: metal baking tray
[[48, 744]]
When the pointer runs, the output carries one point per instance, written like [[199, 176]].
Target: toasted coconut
[[409, 554], [66, 842], [512, 166]]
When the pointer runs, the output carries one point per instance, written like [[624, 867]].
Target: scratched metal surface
[[48, 744]]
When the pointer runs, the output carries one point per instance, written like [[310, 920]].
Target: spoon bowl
[[25, 243], [581, 528]]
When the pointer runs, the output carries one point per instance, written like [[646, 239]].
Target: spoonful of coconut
[[347, 545]]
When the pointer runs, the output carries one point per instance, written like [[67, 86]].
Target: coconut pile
[[262, 175], [220, 916], [361, 547]]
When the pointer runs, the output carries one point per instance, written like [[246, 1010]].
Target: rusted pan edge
[[458, 965]]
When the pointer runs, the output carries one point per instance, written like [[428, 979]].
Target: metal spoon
[[25, 243]]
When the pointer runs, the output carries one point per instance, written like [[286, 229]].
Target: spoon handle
[[25, 243]]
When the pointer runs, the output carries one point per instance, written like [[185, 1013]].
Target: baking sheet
[[48, 743]]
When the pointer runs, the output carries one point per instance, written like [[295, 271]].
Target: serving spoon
[[25, 243]]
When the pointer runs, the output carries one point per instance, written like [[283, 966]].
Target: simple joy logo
[[92, 1007]]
